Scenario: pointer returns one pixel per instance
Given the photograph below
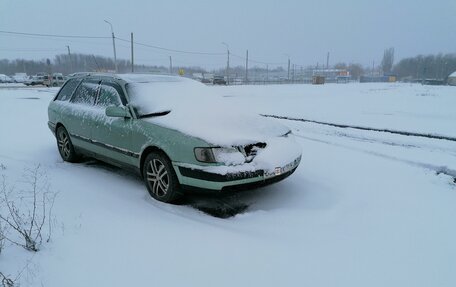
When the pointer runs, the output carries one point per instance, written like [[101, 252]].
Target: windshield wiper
[[159, 114]]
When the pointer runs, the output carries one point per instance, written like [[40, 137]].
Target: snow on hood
[[198, 111]]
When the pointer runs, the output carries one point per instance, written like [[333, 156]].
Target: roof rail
[[79, 74]]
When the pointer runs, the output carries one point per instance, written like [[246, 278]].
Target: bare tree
[[25, 211], [356, 70], [388, 60], [341, 66], [6, 282], [2, 236]]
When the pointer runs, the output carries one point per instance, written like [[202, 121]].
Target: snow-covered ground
[[364, 208]]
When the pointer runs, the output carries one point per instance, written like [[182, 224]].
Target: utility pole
[[247, 67], [132, 55], [170, 65], [373, 67], [113, 44], [288, 77], [69, 59], [267, 72], [228, 69], [293, 74], [227, 63], [327, 61]]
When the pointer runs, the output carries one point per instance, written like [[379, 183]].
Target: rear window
[[67, 90]]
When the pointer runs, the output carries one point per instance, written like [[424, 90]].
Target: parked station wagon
[[174, 131]]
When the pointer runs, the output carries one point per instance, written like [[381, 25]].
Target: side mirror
[[117, 112]]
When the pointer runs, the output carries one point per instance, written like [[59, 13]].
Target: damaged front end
[[257, 163]]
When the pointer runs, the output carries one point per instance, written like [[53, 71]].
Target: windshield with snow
[[156, 95]]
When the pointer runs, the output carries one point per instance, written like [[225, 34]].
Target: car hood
[[196, 110], [221, 129]]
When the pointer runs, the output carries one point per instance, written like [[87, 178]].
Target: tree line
[[419, 67], [68, 64], [426, 67]]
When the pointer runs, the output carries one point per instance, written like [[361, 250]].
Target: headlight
[[227, 156], [204, 154]]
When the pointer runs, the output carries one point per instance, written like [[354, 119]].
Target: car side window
[[67, 90], [110, 95], [86, 93]]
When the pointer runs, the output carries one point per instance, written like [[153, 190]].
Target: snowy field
[[364, 208]]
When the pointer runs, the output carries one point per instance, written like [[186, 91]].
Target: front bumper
[[193, 177], [51, 126]]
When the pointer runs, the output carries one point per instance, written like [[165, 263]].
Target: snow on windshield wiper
[[159, 114]]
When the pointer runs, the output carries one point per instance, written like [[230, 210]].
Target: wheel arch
[[57, 126], [146, 152]]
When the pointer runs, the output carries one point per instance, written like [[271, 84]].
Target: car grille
[[251, 150]]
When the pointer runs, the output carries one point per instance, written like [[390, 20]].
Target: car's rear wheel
[[65, 146], [160, 178]]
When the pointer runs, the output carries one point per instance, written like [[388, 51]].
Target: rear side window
[[67, 90], [86, 93]]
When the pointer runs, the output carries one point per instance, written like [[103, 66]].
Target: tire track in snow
[[398, 132], [437, 169]]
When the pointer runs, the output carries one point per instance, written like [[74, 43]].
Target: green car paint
[[126, 140]]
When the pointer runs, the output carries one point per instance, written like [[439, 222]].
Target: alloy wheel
[[64, 144], [157, 177]]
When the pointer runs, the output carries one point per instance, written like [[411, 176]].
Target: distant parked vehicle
[[35, 80], [5, 79], [20, 77], [56, 80], [219, 80]]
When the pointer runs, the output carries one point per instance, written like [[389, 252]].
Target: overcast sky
[[352, 30]]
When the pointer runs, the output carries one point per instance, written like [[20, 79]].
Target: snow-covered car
[[173, 130], [35, 80], [219, 80], [54, 80], [5, 79], [20, 77]]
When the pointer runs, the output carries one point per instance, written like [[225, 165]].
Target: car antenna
[[98, 67]]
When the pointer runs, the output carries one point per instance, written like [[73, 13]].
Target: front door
[[112, 136]]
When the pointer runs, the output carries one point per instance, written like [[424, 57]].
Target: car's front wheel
[[160, 178], [65, 146]]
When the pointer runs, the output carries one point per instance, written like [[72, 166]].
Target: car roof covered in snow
[[149, 78], [135, 78]]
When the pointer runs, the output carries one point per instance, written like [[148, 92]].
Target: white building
[[452, 79]]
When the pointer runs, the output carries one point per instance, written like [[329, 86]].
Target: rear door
[[80, 113]]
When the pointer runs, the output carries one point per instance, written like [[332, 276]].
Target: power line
[[53, 35], [136, 43], [29, 50], [256, 61], [171, 50]]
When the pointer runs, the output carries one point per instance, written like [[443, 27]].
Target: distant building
[[318, 80], [452, 79], [378, 79], [332, 75]]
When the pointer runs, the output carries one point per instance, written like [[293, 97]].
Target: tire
[[160, 179], [65, 146]]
